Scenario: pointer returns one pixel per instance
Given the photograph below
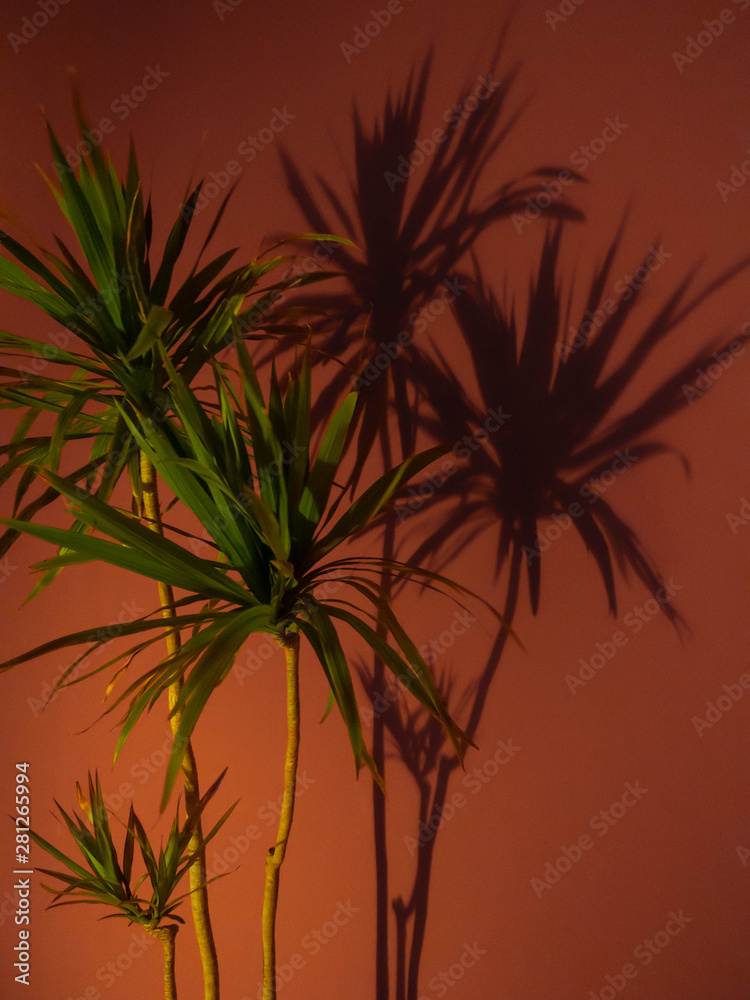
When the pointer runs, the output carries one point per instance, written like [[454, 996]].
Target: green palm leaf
[[103, 879], [317, 627], [127, 321]]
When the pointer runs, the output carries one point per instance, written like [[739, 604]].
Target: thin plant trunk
[[419, 900], [382, 946], [167, 937], [275, 855], [404, 911], [401, 914], [420, 896], [198, 887]]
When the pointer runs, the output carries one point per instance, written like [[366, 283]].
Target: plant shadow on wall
[[239, 458], [270, 520], [544, 446], [544, 458], [415, 210]]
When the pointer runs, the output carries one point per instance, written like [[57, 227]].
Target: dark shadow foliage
[[554, 436], [561, 432], [412, 234]]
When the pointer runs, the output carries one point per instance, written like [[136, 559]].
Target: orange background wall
[[684, 847]]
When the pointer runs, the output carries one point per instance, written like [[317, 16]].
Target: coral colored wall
[[682, 845]]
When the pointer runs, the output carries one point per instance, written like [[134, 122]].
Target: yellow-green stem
[[167, 937], [199, 890], [275, 855]]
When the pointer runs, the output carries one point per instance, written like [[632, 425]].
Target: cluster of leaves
[[269, 523], [123, 312], [273, 525], [106, 875]]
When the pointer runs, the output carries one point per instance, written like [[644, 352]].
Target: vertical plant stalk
[[167, 937], [407, 435], [419, 900], [198, 887], [275, 855], [404, 912]]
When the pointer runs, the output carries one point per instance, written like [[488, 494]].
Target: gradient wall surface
[[615, 835]]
